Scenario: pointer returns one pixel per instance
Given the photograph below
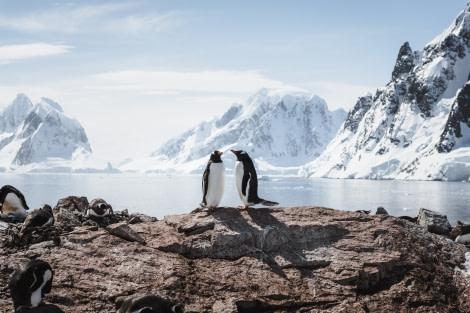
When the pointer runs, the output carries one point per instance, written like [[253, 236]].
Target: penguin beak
[[220, 153], [233, 151]]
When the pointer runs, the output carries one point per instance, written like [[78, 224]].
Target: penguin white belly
[[216, 184], [36, 296], [239, 172], [13, 205]]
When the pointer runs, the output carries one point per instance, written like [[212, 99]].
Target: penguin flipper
[[246, 182], [36, 283], [205, 184]]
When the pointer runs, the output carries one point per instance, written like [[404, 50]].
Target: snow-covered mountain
[[281, 129], [40, 137], [417, 126]]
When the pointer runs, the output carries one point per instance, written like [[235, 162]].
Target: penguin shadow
[[45, 308], [274, 238], [234, 220]]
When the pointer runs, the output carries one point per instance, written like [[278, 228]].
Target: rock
[[299, 259], [462, 228], [66, 217], [72, 203], [409, 218], [125, 232], [3, 227], [139, 218], [463, 239], [434, 222], [381, 210]]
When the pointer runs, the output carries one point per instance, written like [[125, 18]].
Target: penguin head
[[98, 207], [216, 156], [47, 208], [240, 154]]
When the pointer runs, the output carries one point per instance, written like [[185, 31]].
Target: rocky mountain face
[[34, 133], [417, 126], [299, 259], [278, 128]]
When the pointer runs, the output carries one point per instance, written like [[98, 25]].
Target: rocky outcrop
[[297, 259], [416, 126]]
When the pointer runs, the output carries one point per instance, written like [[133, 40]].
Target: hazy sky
[[136, 73]]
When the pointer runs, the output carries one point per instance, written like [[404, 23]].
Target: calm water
[[160, 195]]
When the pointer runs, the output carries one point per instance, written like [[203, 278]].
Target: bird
[[12, 203], [30, 283], [213, 181], [98, 207], [38, 218], [246, 181], [149, 303]]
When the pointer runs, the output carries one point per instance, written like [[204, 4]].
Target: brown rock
[[125, 232], [300, 259], [434, 222]]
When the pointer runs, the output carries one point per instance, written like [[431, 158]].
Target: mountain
[[40, 137], [417, 126], [281, 129]]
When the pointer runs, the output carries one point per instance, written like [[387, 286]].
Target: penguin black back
[[30, 283], [38, 218]]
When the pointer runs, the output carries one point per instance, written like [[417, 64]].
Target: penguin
[[213, 181], [149, 303], [98, 207], [38, 218], [247, 181], [30, 283], [12, 203]]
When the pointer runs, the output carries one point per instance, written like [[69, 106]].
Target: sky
[[136, 73]]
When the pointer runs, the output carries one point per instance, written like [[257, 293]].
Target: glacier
[[417, 126], [281, 129]]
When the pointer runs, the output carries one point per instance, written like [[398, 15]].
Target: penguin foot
[[243, 207], [197, 210]]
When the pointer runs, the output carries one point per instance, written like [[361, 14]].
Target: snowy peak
[[15, 113], [417, 126], [405, 61], [278, 127], [45, 106], [38, 133]]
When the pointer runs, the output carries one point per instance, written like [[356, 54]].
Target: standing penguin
[[247, 181], [98, 207], [12, 203], [149, 303], [38, 218], [213, 181], [30, 283]]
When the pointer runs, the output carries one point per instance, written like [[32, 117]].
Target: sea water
[[160, 195]]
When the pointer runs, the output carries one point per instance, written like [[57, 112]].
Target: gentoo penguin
[[247, 181], [149, 303], [38, 218], [213, 181], [12, 203], [98, 207], [30, 283]]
